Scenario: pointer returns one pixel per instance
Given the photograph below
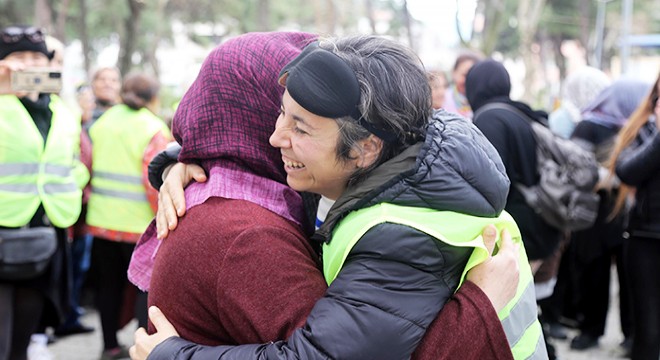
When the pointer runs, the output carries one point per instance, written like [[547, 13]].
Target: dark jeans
[[81, 252], [643, 261], [595, 294], [111, 259]]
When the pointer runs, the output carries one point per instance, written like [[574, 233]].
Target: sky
[[439, 19]]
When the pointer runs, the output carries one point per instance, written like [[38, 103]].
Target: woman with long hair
[[636, 161]]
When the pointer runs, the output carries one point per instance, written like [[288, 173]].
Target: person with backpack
[[507, 124], [511, 133], [592, 249]]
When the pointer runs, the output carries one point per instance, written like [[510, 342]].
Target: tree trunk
[[60, 22], [408, 24], [494, 21], [84, 36], [369, 5], [584, 7], [263, 15], [131, 25], [331, 23], [457, 23], [43, 15], [150, 53], [529, 14]]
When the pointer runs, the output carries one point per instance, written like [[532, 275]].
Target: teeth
[[292, 164]]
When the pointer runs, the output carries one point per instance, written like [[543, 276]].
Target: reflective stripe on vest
[[119, 199], [138, 195], [34, 173], [519, 317]]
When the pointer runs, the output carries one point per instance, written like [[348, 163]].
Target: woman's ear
[[370, 150]]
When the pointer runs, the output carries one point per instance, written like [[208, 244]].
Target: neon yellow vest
[[118, 200], [519, 317], [32, 173]]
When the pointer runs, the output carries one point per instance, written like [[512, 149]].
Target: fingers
[[162, 227], [138, 338], [132, 352], [197, 172], [507, 242], [489, 236], [170, 211], [160, 322]]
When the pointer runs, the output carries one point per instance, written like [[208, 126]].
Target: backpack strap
[[501, 106]]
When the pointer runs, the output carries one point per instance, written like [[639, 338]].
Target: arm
[[480, 329], [641, 163], [158, 142], [162, 161], [468, 326], [378, 307]]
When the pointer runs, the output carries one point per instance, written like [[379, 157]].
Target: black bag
[[564, 196], [26, 253]]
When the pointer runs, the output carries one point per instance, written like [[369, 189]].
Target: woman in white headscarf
[[580, 88]]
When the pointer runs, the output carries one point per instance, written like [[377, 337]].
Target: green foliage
[[16, 12]]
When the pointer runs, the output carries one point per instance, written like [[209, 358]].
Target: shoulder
[[222, 214], [402, 243]]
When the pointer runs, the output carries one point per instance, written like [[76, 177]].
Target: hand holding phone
[[6, 68], [41, 80]]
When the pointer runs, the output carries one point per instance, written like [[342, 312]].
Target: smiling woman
[[308, 144]]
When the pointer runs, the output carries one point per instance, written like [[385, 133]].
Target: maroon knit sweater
[[249, 276]]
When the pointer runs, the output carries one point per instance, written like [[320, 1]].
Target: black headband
[[324, 84]]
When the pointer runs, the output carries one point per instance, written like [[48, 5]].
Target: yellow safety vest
[[118, 200], [519, 317], [32, 173]]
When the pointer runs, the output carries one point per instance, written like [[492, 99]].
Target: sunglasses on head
[[14, 34]]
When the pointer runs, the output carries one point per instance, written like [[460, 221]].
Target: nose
[[280, 136]]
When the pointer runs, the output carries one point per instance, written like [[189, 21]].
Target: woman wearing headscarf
[[580, 88], [592, 249], [636, 157]]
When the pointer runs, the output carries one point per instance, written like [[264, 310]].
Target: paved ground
[[88, 347]]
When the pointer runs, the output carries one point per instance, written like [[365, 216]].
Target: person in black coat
[[591, 250], [488, 82], [636, 161]]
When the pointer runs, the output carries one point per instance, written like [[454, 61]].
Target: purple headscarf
[[613, 106], [224, 122]]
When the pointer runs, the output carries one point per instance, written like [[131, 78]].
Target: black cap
[[23, 38], [325, 85]]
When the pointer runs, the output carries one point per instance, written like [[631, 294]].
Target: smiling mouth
[[293, 164]]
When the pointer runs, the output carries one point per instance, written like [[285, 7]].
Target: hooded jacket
[[396, 278], [488, 82]]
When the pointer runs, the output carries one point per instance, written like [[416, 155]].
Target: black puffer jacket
[[396, 279], [639, 166]]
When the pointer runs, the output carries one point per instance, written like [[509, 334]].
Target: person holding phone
[[40, 186]]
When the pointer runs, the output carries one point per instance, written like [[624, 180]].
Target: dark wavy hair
[[138, 90]]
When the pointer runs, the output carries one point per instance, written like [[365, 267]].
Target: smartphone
[[43, 80]]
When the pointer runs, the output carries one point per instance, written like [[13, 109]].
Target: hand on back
[[498, 276], [171, 199]]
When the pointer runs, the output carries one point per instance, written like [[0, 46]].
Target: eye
[[299, 130]]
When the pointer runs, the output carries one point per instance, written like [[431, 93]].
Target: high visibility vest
[[519, 317], [33, 173], [118, 200]]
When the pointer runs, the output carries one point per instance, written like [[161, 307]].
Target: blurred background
[[539, 41]]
